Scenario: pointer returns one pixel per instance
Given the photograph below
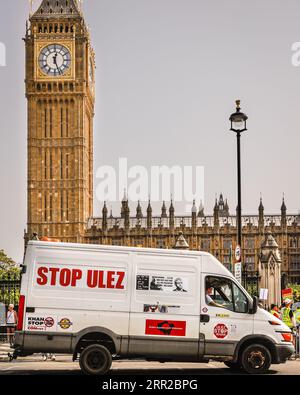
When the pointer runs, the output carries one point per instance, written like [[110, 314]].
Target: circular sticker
[[65, 323], [205, 310], [220, 331], [49, 322]]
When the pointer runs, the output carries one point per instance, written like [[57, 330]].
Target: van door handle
[[204, 318]]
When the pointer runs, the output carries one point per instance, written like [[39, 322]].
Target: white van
[[104, 303]]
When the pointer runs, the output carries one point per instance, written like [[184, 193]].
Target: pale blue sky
[[168, 72]]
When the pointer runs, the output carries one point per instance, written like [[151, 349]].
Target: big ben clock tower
[[60, 93]]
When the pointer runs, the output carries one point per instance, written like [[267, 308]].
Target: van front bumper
[[284, 352]]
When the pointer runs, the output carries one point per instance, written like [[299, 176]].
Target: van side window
[[223, 293]]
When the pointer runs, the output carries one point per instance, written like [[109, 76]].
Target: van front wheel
[[256, 359], [95, 360]]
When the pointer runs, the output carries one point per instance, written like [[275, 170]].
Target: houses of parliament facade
[[60, 91]]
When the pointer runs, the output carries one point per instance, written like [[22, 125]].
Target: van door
[[165, 306], [224, 316]]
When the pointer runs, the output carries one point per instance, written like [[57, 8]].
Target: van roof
[[101, 247], [212, 265]]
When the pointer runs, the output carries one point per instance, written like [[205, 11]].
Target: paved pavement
[[34, 365]]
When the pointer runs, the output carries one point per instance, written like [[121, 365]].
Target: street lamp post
[[238, 122]]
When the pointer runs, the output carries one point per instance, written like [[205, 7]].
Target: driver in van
[[208, 298]]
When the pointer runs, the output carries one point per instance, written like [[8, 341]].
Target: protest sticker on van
[[161, 283], [165, 328], [89, 278], [142, 283], [148, 308], [41, 323], [220, 331], [64, 323]]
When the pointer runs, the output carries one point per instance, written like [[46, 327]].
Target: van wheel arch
[[95, 336], [249, 340]]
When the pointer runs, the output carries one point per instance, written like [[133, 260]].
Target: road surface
[[63, 365]]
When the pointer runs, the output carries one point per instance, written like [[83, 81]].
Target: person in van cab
[[209, 300]]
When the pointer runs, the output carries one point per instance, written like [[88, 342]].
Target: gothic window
[[45, 208], [293, 242], [67, 122], [62, 206], [67, 205], [61, 122], [138, 242], [205, 244], [160, 243], [45, 165], [51, 207], [295, 262], [227, 262], [50, 167], [227, 244], [250, 262], [249, 243], [61, 165], [50, 122], [45, 122], [67, 166]]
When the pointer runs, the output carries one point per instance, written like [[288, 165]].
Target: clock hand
[[55, 62], [55, 59], [58, 69]]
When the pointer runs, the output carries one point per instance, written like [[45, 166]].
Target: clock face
[[55, 60]]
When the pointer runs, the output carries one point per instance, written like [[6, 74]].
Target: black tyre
[[256, 359], [234, 366], [95, 360]]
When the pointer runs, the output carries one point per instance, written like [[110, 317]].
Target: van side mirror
[[253, 309]]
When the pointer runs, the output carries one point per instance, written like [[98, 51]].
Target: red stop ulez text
[[54, 276]]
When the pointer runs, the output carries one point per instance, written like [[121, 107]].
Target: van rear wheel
[[95, 360], [256, 359]]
